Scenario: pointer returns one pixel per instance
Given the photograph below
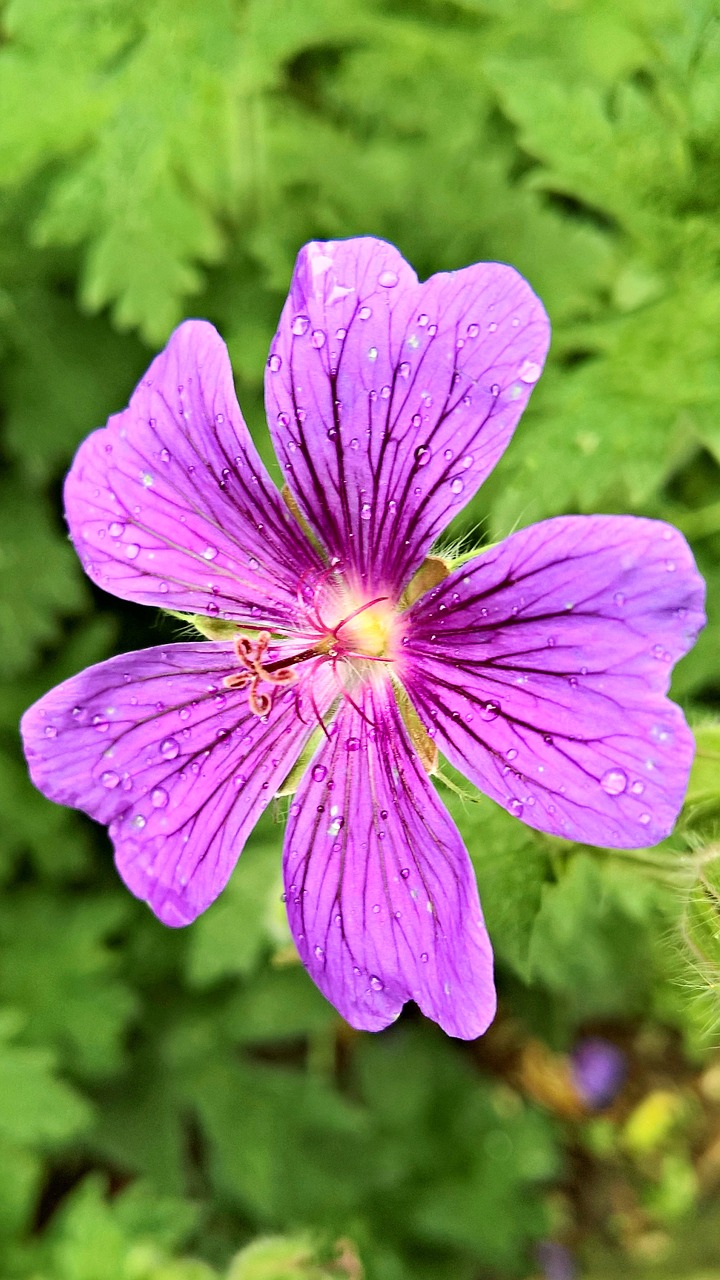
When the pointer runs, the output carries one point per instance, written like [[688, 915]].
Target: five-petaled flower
[[539, 667]]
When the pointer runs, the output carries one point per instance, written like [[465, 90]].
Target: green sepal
[[211, 628]]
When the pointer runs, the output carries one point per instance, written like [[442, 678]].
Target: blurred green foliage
[[186, 1106]]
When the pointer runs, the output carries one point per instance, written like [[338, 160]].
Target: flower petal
[[541, 668], [381, 894], [153, 744], [389, 401], [170, 504]]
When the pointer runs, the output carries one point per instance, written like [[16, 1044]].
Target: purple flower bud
[[556, 1261], [598, 1069]]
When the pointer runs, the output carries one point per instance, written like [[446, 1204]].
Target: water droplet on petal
[[614, 782], [50, 731], [318, 338], [100, 725], [138, 822], [274, 363], [490, 711], [169, 747], [405, 872], [116, 530], [637, 788], [644, 819], [365, 313], [457, 485], [300, 325], [424, 957], [376, 984], [159, 798], [515, 807], [132, 551], [365, 511], [372, 353], [388, 279], [319, 953], [319, 773], [210, 553], [109, 779], [529, 371], [423, 455]]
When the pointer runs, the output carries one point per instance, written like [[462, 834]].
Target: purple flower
[[598, 1070], [538, 667], [556, 1261]]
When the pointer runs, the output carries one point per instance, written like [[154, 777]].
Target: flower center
[[367, 630]]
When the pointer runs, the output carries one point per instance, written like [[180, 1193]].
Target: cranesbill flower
[[539, 667]]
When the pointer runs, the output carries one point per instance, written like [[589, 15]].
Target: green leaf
[[231, 937], [35, 1105], [592, 942], [57, 967], [40, 579]]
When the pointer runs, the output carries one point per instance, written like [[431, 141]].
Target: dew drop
[[511, 754], [529, 371], [159, 798], [352, 744], [132, 551], [300, 325], [138, 822], [372, 353], [619, 598], [169, 747], [644, 819], [318, 338], [490, 711], [614, 782], [457, 485], [116, 530], [515, 807], [467, 461], [423, 455], [365, 313], [274, 363], [319, 953], [365, 511], [495, 389], [50, 731], [110, 780], [424, 957], [404, 369], [210, 553], [376, 984], [388, 279], [637, 788], [100, 725], [319, 773]]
